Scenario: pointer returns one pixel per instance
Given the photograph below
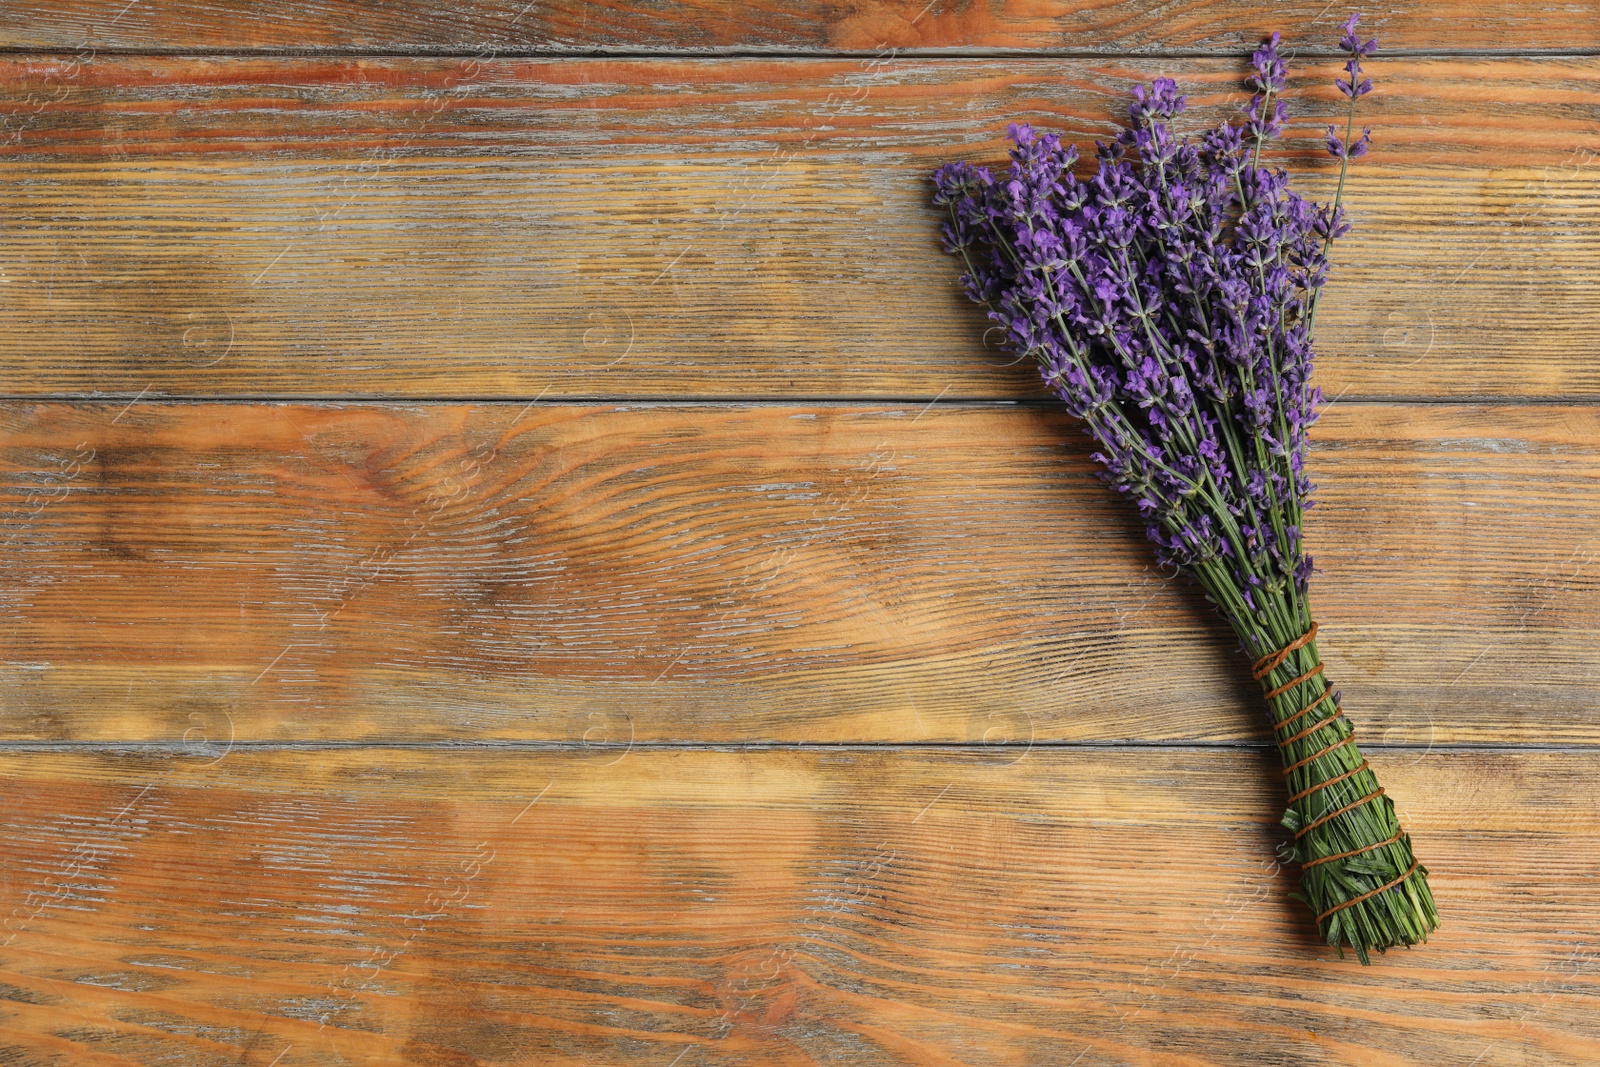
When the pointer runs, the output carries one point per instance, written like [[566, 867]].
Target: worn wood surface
[[772, 572], [728, 228], [527, 561], [487, 26], [873, 907]]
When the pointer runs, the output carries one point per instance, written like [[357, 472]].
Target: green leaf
[[1376, 868]]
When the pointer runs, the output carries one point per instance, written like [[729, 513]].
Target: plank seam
[[187, 748], [724, 400], [491, 53]]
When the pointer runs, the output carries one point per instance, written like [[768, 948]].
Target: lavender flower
[[1354, 86], [1166, 299], [1355, 48], [1169, 300]]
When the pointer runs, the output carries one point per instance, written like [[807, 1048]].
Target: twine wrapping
[[1272, 661], [1372, 892], [1398, 834], [1261, 671], [1269, 663]]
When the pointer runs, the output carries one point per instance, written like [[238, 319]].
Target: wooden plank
[[702, 25], [585, 228], [698, 907], [613, 573]]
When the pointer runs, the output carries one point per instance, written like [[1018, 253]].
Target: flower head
[[1355, 150], [1271, 75], [1354, 85], [1353, 44]]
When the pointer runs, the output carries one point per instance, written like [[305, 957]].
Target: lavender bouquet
[[1170, 301]]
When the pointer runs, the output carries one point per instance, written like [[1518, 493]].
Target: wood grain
[[610, 574], [703, 25], [772, 690], [604, 228], [766, 908]]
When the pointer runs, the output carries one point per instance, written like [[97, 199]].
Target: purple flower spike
[[1271, 75], [1339, 150], [1355, 85], [1353, 44]]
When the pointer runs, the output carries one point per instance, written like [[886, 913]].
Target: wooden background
[[516, 552]]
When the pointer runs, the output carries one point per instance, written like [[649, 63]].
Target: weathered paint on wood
[[877, 907], [711, 228], [674, 613], [772, 572], [488, 26]]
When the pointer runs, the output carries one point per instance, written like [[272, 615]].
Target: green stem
[[1338, 201]]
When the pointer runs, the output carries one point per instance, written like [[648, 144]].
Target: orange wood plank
[[879, 907], [861, 25], [201, 572], [584, 228]]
